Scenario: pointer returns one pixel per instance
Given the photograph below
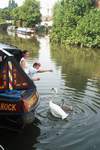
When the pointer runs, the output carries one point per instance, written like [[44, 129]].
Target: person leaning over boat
[[30, 71], [24, 64], [36, 68]]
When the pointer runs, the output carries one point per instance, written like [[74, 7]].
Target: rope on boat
[[1, 147], [10, 75]]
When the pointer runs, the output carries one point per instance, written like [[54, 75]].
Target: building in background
[[46, 8]]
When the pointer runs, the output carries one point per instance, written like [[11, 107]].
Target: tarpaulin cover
[[11, 95]]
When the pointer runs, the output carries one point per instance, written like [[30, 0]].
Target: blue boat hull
[[20, 112]]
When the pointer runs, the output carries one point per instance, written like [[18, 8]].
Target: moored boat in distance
[[26, 30], [18, 94], [25, 36], [11, 28]]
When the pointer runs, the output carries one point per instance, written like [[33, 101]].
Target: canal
[[76, 76]]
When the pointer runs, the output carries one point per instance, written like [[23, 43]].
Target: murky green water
[[76, 75]]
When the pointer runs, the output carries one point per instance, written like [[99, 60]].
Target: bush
[[76, 22]]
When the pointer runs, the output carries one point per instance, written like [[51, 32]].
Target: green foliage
[[29, 12], [15, 13], [87, 32], [5, 14], [76, 22]]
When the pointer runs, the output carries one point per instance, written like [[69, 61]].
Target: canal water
[[76, 77]]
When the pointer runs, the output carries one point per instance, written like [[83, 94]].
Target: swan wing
[[57, 111]]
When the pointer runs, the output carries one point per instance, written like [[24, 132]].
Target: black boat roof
[[8, 46], [12, 49]]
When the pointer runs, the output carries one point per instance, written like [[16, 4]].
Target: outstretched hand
[[50, 70], [36, 79]]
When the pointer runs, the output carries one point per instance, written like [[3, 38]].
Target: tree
[[76, 22], [5, 14], [87, 32], [12, 4], [30, 13]]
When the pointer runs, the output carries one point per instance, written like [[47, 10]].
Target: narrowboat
[[25, 36], [25, 31], [11, 28], [18, 94]]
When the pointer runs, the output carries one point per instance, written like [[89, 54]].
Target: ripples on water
[[81, 130]]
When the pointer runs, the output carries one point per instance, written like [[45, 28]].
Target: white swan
[[57, 111]]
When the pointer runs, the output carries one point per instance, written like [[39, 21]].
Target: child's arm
[[36, 79], [23, 63], [44, 70]]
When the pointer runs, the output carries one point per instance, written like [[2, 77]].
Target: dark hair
[[24, 52], [36, 64]]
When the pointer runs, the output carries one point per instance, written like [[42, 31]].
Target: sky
[[4, 3], [45, 5]]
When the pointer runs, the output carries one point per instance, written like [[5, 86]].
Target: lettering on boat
[[7, 107]]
